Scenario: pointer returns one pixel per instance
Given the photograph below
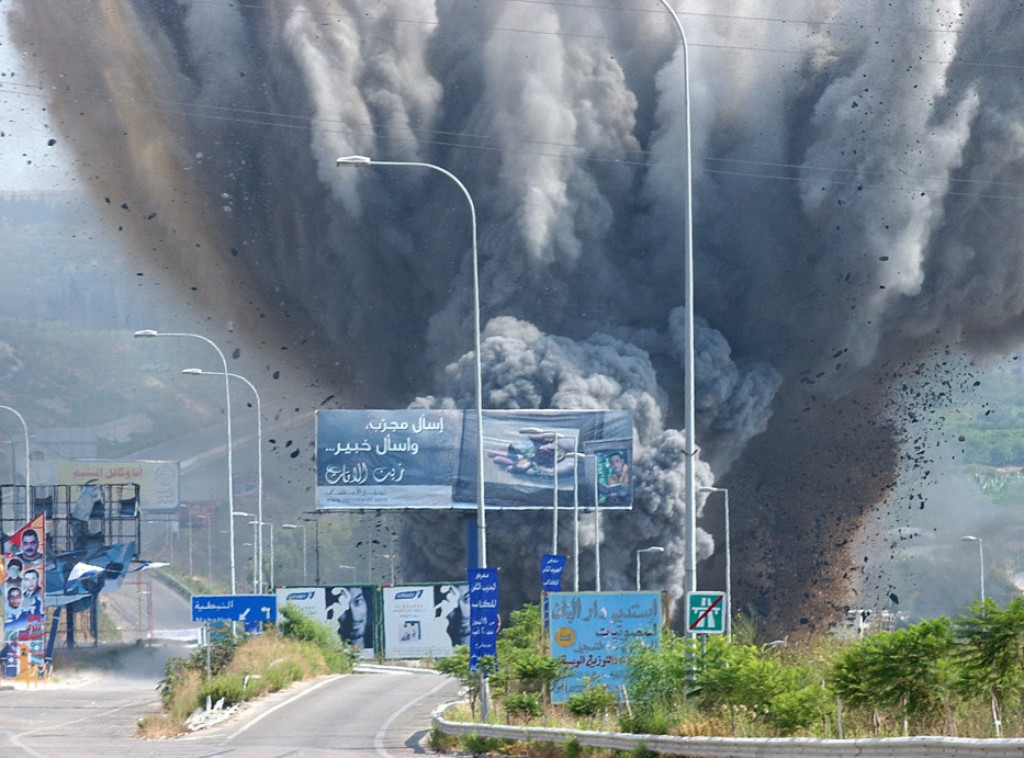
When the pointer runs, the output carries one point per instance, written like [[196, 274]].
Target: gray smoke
[[855, 165]]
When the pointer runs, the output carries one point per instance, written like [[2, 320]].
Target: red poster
[[24, 604]]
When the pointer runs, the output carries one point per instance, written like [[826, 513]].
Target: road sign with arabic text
[[705, 612], [262, 608]]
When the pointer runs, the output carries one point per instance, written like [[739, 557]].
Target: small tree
[[907, 671], [992, 655]]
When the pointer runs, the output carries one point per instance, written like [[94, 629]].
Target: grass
[[242, 670]]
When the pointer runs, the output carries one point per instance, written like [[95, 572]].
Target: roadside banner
[[426, 621], [24, 589], [483, 614], [592, 633]]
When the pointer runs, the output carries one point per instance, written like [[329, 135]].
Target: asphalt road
[[379, 711]]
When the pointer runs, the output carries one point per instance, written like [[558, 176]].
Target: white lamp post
[[728, 560], [597, 524], [259, 459], [981, 559], [555, 435], [255, 543], [146, 333], [303, 528], [28, 465], [652, 549], [481, 515], [689, 446]]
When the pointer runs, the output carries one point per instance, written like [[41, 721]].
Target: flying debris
[[845, 194]]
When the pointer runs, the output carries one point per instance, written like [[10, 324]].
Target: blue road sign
[[253, 608]]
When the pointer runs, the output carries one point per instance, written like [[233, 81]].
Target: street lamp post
[[597, 525], [255, 543], [689, 391], [28, 464], [981, 559], [651, 549], [728, 560], [147, 333], [316, 542], [259, 458], [554, 435], [481, 515], [303, 528], [576, 457], [391, 558]]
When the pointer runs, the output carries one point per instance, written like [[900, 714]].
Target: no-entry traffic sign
[[705, 612]]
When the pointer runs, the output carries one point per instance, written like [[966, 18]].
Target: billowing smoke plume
[[854, 167]]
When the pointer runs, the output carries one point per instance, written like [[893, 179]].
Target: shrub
[[592, 701], [525, 705]]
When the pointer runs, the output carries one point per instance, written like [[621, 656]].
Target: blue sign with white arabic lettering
[[483, 614], [251, 608]]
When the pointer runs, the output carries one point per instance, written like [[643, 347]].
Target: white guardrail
[[741, 747]]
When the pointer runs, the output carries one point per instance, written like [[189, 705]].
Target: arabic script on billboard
[[398, 459]]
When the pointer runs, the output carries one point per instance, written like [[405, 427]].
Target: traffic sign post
[[250, 608], [705, 612]]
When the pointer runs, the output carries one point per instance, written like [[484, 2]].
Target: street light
[[391, 558], [981, 560], [146, 333], [316, 539], [255, 544], [481, 515], [259, 459], [353, 569], [728, 560], [652, 549], [576, 456], [303, 528], [689, 447], [28, 465], [554, 435]]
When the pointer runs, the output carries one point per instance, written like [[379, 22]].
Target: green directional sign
[[705, 612]]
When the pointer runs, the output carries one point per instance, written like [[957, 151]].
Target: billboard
[[591, 634], [351, 611], [157, 480], [24, 592], [403, 459], [77, 574], [426, 621]]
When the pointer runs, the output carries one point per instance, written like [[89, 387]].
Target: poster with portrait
[[425, 621], [351, 611], [24, 566]]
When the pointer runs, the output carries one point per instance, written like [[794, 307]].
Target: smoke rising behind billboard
[[855, 196]]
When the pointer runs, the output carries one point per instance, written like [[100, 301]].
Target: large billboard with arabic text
[[398, 459]]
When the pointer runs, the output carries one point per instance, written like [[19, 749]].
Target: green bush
[[525, 705], [299, 626], [592, 701], [230, 687]]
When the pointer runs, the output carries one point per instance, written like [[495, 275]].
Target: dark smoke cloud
[[855, 168]]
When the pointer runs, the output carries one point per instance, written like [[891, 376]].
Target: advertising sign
[[397, 459], [483, 614], [592, 632], [157, 480], [351, 611], [24, 601], [81, 573], [426, 621]]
